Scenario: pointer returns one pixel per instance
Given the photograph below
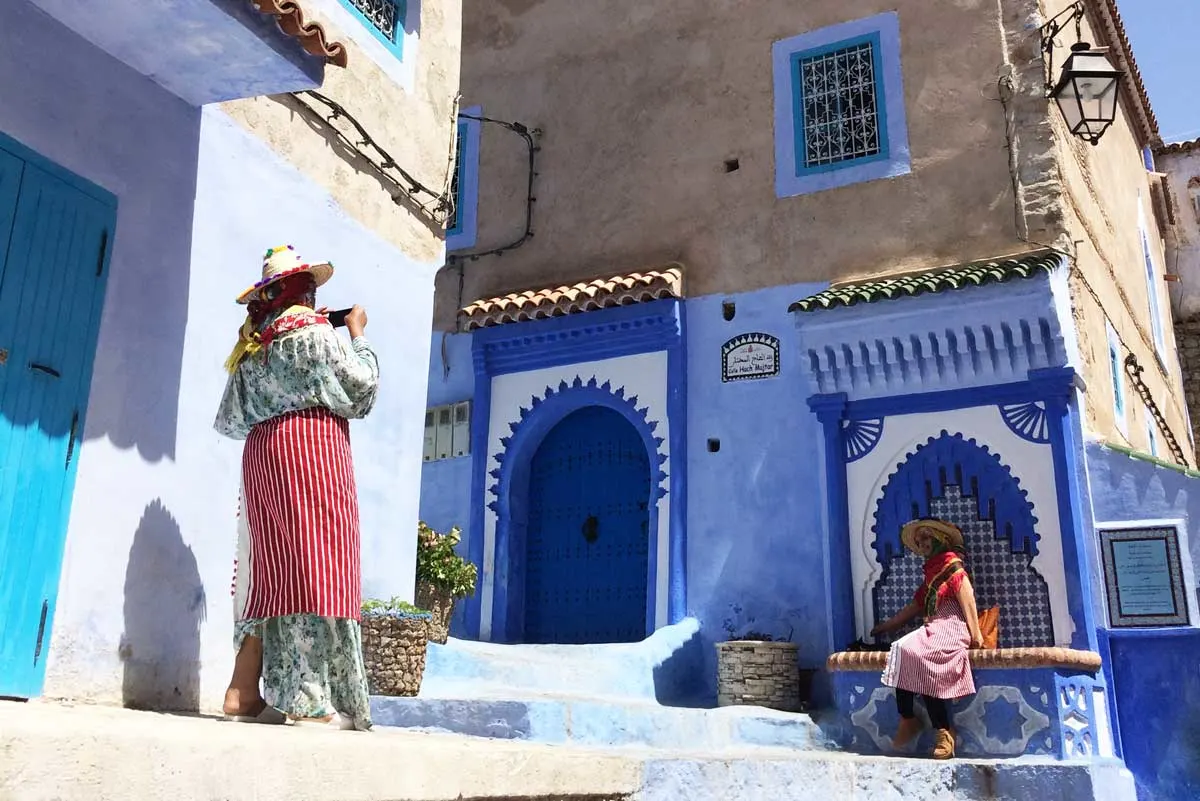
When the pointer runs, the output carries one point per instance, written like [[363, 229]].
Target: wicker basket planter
[[754, 673], [394, 651], [440, 604]]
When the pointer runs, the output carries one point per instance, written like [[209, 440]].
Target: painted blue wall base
[[1014, 713], [870, 778]]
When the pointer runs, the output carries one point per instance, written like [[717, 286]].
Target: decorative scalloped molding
[[860, 437], [887, 543], [1027, 420], [589, 393]]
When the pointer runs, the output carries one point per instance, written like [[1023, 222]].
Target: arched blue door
[[588, 536]]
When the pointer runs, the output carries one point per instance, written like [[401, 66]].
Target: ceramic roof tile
[[291, 20], [603, 293], [974, 274], [1179, 147], [1112, 34]]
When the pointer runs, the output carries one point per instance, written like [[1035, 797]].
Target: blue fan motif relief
[[1027, 420], [861, 437]]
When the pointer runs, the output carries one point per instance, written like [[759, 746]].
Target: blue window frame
[[464, 183], [1156, 317], [839, 107], [386, 20], [1118, 380]]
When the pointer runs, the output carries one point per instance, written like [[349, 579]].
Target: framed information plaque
[[1143, 576]]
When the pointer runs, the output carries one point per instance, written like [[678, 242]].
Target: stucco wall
[[641, 106], [1183, 181], [1105, 195], [144, 615], [407, 106]]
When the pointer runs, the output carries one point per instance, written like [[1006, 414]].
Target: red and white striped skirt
[[934, 660], [301, 508]]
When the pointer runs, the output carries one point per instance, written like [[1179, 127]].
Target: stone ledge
[[992, 658]]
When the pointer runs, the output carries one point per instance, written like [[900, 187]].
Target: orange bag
[[989, 627]]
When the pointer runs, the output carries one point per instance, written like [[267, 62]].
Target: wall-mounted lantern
[[1087, 91]]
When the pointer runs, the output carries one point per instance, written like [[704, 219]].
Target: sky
[[1165, 35]]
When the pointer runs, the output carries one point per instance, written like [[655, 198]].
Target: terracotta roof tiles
[[603, 293], [291, 20], [1178, 147], [1112, 34]]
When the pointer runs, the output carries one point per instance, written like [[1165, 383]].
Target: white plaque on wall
[[1143, 577], [750, 356]]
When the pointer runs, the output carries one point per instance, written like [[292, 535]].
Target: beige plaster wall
[[414, 123], [1183, 238], [1099, 198], [642, 103]]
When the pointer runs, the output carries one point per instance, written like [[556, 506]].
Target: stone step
[[664, 667], [605, 722], [49, 752]]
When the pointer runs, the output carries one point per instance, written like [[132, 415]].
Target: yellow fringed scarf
[[250, 340]]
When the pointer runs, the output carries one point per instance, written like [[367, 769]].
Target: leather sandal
[[943, 745]]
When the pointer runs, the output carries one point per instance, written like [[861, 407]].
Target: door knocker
[[591, 529]]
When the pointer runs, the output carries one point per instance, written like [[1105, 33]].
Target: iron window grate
[[840, 106], [386, 15]]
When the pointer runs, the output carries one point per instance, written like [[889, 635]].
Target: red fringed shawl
[[944, 574]]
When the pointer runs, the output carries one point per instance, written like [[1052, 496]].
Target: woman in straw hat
[[933, 661], [293, 387]]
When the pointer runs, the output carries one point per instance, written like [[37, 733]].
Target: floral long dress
[[302, 386]]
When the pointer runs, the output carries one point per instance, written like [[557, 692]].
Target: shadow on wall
[[164, 607], [134, 400]]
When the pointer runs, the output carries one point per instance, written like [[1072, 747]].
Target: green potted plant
[[442, 577], [395, 634]]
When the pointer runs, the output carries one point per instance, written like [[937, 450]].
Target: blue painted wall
[[446, 484], [1155, 681], [755, 512], [755, 508]]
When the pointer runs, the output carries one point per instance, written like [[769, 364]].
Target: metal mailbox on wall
[[447, 431]]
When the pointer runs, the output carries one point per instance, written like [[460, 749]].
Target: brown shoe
[[943, 744], [906, 732]]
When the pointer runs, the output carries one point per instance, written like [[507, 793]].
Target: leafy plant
[[392, 607], [440, 565]]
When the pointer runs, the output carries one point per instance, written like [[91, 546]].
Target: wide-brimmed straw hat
[[281, 262], [947, 533]]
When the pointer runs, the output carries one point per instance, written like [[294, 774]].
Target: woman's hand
[[356, 321], [882, 628], [977, 640]]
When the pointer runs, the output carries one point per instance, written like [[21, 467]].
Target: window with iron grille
[[386, 19], [839, 106], [464, 182]]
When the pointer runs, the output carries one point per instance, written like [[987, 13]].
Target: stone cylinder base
[[751, 673]]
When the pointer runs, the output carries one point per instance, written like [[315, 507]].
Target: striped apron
[[299, 514]]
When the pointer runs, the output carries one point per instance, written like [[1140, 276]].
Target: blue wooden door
[[54, 242], [588, 534]]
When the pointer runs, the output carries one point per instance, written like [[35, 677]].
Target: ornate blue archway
[[509, 489], [957, 479]]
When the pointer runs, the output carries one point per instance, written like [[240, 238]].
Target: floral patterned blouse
[[301, 369]]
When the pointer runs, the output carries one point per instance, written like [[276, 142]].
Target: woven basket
[[394, 652], [439, 604]]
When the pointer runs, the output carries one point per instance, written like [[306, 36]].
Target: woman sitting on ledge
[[933, 661]]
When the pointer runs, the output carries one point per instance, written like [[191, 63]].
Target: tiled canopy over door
[[54, 237]]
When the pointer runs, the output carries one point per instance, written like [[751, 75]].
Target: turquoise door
[[55, 231]]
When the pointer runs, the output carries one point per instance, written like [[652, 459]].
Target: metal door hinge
[[37, 649]]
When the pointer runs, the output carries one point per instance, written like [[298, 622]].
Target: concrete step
[[663, 668], [605, 722], [50, 752]]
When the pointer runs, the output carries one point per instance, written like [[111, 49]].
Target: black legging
[[939, 713]]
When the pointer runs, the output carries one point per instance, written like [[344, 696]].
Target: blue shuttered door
[[53, 245], [588, 536]]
